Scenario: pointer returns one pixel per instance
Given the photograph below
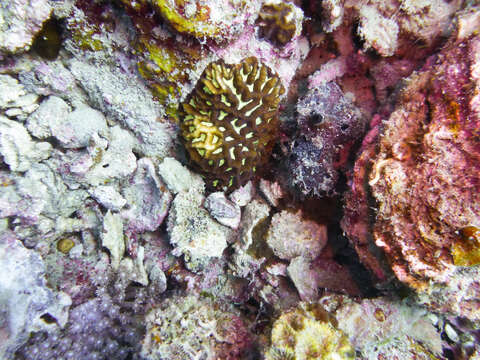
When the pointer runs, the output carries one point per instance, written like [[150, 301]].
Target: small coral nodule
[[277, 22], [229, 121]]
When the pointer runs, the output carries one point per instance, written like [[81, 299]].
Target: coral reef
[[196, 179], [230, 120], [308, 332]]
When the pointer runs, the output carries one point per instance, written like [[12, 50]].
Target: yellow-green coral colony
[[229, 121], [308, 332]]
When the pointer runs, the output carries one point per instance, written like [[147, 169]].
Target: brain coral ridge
[[229, 121]]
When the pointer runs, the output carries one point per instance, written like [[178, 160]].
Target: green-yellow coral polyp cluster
[[229, 121], [308, 333]]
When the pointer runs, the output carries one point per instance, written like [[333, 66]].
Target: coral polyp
[[229, 121], [279, 22]]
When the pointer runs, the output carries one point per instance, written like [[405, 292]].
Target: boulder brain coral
[[229, 121]]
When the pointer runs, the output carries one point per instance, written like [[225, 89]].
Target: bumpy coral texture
[[277, 22], [229, 121], [307, 333], [189, 327]]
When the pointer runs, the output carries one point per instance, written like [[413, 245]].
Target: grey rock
[[129, 102], [51, 112], [18, 149], [147, 197]]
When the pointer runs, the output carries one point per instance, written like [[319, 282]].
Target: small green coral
[[308, 333], [229, 121]]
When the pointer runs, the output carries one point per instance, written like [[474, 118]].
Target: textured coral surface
[[230, 120]]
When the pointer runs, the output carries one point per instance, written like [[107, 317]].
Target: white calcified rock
[[25, 296], [135, 268], [14, 99], [108, 196], [51, 112], [178, 178], [255, 212], [17, 148], [103, 161], [112, 238], [40, 204], [194, 233], [243, 263], [380, 326], [148, 199], [379, 32], [223, 210], [20, 20], [290, 236], [303, 277], [78, 127], [332, 14], [10, 91]]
